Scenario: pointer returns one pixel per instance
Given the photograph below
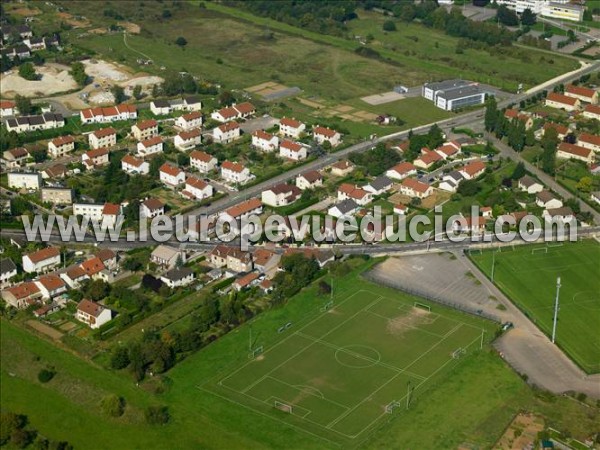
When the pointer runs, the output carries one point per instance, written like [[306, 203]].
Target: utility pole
[[555, 310], [407, 394]]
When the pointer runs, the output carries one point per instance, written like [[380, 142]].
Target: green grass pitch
[[333, 376], [528, 276]]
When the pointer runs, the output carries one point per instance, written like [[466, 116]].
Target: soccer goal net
[[458, 352], [285, 407], [390, 407], [254, 353], [327, 306], [422, 306], [539, 250]]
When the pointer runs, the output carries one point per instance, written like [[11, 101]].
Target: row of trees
[[16, 430], [377, 160]]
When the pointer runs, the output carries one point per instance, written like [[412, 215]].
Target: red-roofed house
[[51, 285], [135, 166], [228, 132], [150, 146], [22, 295], [582, 93], [233, 172], [471, 225], [572, 151], [401, 171], [244, 110], [15, 157], [264, 141], [590, 141], [309, 180], [8, 108], [244, 209], [95, 158], [187, 140], [41, 260], [189, 121], [171, 175], [414, 188], [592, 112], [105, 137], [245, 281], [290, 127], [92, 314], [281, 195], [561, 130], [427, 159], [197, 189], [109, 114], [60, 146], [450, 151], [93, 268], [145, 129], [342, 168], [472, 170], [292, 150], [202, 161], [224, 114], [151, 207], [560, 101], [350, 191], [323, 134]]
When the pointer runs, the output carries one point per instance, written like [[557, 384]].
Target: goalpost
[[285, 407], [327, 306], [475, 251], [390, 407], [422, 306], [539, 250], [458, 352]]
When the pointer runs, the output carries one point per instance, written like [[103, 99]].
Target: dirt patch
[[522, 432], [45, 329], [311, 103], [54, 78], [380, 99], [101, 70], [26, 12], [130, 27], [68, 326], [413, 319], [75, 22], [99, 31]]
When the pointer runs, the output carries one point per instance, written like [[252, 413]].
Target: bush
[[28, 72], [157, 415], [181, 41], [46, 375], [389, 25], [113, 405]]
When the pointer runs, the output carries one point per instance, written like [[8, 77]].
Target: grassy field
[[335, 376], [70, 410], [528, 276]]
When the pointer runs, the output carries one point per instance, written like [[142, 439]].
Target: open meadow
[[527, 275]]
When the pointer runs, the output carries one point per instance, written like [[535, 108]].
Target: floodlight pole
[[493, 263], [407, 394], [555, 310]]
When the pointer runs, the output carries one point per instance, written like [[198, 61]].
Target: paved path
[[530, 352]]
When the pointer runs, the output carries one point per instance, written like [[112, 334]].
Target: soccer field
[[351, 368], [527, 274]]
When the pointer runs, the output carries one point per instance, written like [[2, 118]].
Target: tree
[[519, 172], [389, 25], [226, 98], [27, 71], [528, 18], [468, 188], [585, 184], [119, 358], [45, 375], [157, 415], [491, 114], [188, 84], [23, 104], [137, 92], [78, 73], [97, 289], [166, 14], [181, 41], [119, 93], [507, 16], [113, 406]]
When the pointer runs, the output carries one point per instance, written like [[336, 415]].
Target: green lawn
[[528, 276], [70, 407]]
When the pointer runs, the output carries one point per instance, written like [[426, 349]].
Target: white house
[[189, 121], [473, 170], [171, 175], [291, 127], [529, 185], [187, 140], [160, 107], [244, 209], [564, 214], [151, 207], [44, 121], [560, 101], [228, 132], [41, 260], [545, 199], [109, 114], [145, 129], [92, 314], [105, 137], [8, 108], [135, 166], [95, 158], [166, 256], [202, 161], [8, 269], [105, 213], [233, 172], [414, 188], [178, 277], [51, 285], [24, 180], [582, 93], [400, 209], [281, 195], [345, 208], [224, 114], [349, 191], [401, 171], [379, 185], [292, 150], [342, 168], [427, 159], [589, 141], [572, 151], [197, 189], [309, 180], [592, 112], [60, 146], [15, 157], [450, 181], [323, 134], [150, 146], [264, 141]]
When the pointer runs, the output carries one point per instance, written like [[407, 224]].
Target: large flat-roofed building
[[453, 99], [431, 90], [563, 11], [57, 195]]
